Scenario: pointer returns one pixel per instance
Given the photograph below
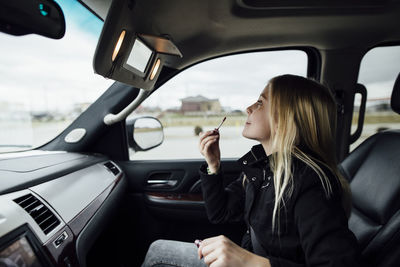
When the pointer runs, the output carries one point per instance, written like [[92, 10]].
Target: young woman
[[290, 193]]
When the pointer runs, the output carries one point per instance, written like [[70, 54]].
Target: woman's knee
[[157, 243], [158, 253], [172, 253], [160, 245]]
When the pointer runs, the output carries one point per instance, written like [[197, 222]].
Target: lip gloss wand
[[216, 129]]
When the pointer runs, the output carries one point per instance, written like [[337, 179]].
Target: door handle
[[182, 200], [161, 183]]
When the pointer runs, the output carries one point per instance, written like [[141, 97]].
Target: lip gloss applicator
[[216, 129]]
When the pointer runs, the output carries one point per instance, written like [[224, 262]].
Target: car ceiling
[[203, 29]]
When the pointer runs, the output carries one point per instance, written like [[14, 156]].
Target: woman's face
[[257, 126]]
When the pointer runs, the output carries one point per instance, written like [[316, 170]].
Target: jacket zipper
[[253, 154]]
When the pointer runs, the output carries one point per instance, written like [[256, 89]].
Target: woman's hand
[[209, 148], [219, 251]]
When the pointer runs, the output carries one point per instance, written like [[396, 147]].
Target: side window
[[201, 96], [378, 72]]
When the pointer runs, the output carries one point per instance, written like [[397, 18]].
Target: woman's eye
[[259, 102]]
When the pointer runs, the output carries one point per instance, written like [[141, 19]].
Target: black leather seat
[[373, 170]]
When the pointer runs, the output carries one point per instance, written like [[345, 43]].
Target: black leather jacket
[[314, 230]]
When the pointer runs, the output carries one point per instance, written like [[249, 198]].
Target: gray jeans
[[167, 253]]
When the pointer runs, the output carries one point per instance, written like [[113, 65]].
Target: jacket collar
[[255, 155]]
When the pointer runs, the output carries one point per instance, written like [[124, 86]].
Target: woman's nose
[[248, 110]]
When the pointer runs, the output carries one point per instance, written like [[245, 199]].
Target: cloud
[[50, 74], [235, 80], [238, 80], [380, 64]]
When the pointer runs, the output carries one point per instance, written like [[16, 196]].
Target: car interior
[[80, 200]]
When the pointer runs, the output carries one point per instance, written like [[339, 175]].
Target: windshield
[[45, 83]]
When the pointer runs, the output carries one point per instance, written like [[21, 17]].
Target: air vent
[[46, 220], [112, 167]]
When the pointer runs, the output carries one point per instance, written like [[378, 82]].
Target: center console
[[21, 248]]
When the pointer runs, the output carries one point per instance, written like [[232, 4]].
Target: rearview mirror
[[43, 17], [144, 133]]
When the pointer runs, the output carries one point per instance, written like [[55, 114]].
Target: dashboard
[[53, 205]]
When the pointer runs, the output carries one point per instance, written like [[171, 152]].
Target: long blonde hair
[[303, 114]]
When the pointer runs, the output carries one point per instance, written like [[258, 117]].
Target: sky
[[223, 78], [379, 69], [235, 80], [42, 74]]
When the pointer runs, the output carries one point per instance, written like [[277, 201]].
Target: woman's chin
[[246, 134]]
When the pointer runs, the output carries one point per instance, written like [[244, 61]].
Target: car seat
[[373, 171]]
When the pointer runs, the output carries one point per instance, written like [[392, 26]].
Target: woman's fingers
[[211, 240], [199, 253], [211, 257], [209, 248], [210, 152], [206, 142], [210, 244], [207, 134], [210, 142], [214, 250], [209, 148], [220, 251], [211, 137]]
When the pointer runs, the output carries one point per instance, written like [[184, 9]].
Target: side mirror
[[43, 17], [144, 133]]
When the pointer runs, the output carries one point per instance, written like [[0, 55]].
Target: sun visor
[[127, 53]]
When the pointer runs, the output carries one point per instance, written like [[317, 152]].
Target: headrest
[[395, 101]]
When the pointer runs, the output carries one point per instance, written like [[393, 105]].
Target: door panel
[[164, 201], [173, 186]]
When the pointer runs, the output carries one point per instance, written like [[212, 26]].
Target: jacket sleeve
[[222, 204], [323, 227]]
